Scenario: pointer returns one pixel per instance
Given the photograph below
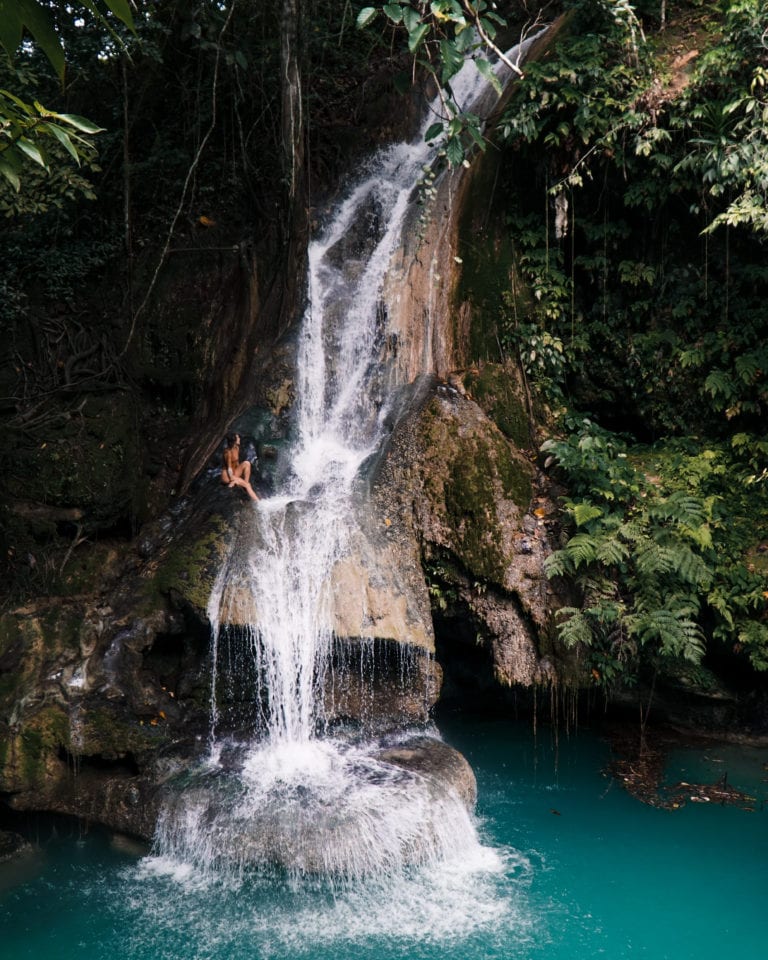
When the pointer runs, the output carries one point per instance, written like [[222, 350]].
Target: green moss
[[191, 565], [470, 500], [468, 473], [31, 764], [487, 258], [497, 390], [110, 735], [470, 507], [41, 737]]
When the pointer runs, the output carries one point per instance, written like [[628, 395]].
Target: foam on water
[[448, 903]]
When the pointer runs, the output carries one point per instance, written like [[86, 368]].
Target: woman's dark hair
[[230, 438]]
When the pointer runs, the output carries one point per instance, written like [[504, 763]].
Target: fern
[[680, 508], [754, 635], [654, 560], [584, 512], [660, 540], [612, 552], [672, 632], [557, 564], [719, 385], [574, 627], [581, 549], [691, 568]]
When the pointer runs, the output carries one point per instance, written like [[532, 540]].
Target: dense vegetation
[[639, 176], [635, 169]]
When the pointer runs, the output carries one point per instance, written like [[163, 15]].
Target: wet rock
[[436, 759], [12, 845], [327, 809]]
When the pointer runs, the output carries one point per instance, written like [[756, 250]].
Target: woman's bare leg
[[239, 482]]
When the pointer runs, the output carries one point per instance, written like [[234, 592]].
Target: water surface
[[570, 866]]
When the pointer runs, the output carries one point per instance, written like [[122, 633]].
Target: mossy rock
[[109, 734], [27, 756], [30, 637], [188, 570], [497, 389], [475, 482]]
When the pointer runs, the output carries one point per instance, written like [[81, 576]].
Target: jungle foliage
[[638, 167]]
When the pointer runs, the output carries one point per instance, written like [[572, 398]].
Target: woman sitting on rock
[[233, 472]]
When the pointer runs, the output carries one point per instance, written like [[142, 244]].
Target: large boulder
[[454, 482]]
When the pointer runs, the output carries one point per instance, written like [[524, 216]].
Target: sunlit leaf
[[80, 123], [367, 15], [33, 152]]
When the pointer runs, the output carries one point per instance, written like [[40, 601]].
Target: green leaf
[[63, 137], [487, 72], [574, 628], [473, 129], [411, 19], [80, 123], [120, 8], [122, 11], [394, 11], [452, 60], [454, 151], [10, 26], [33, 152], [25, 107], [9, 172], [415, 39], [37, 20], [448, 10], [584, 512], [489, 28], [433, 132], [367, 15]]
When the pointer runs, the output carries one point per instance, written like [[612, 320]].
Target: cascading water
[[291, 794]]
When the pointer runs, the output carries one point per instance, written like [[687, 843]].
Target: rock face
[[459, 486], [12, 845]]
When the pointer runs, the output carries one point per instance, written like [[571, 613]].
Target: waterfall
[[293, 794]]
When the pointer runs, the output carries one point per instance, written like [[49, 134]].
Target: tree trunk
[[295, 223]]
